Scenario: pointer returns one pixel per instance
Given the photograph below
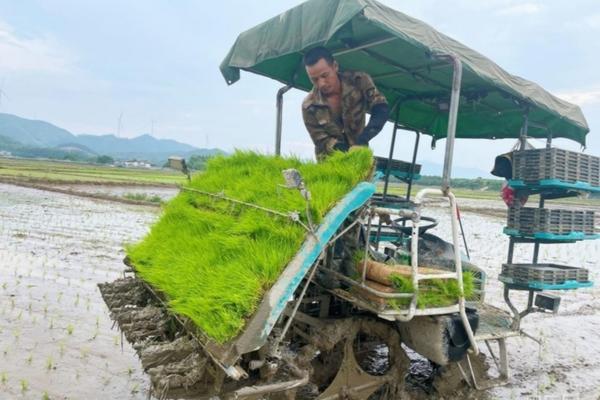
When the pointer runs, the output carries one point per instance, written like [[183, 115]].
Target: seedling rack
[[552, 173]]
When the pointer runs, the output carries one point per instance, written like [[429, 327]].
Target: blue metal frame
[[553, 184]]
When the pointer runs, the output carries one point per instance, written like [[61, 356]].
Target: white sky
[[80, 65]]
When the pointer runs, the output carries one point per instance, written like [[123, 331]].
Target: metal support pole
[[412, 166], [524, 130], [278, 122], [536, 246], [452, 119], [511, 250], [388, 169], [391, 156]]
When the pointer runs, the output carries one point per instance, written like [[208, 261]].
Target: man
[[334, 111]]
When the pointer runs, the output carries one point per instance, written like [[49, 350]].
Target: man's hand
[[341, 146]]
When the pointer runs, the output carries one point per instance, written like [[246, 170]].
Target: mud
[[173, 363], [110, 192], [56, 335]]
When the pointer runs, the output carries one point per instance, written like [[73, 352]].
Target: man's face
[[324, 77]]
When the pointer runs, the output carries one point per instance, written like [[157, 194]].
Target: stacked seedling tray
[[545, 276], [552, 168], [551, 173], [558, 224], [399, 169]]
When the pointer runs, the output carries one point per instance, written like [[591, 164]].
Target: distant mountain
[[31, 136], [32, 132], [141, 144]]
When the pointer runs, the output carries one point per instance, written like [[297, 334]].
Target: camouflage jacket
[[359, 95]]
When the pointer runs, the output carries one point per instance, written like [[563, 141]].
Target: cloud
[[32, 54], [520, 9], [582, 97]]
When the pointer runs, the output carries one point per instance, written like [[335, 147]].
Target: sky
[[153, 66]]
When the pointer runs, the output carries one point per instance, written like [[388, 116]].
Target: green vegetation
[[462, 183], [142, 197], [105, 160], [433, 292], [198, 163], [214, 259], [66, 172]]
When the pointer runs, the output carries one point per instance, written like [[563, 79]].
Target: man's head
[[322, 70]]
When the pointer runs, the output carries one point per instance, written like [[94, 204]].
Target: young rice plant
[[214, 259]]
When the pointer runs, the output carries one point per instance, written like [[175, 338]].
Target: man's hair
[[314, 55]]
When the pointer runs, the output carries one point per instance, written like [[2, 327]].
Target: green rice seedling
[[29, 359], [70, 329], [24, 385], [85, 352], [49, 363], [3, 378], [45, 396], [433, 292], [214, 259]]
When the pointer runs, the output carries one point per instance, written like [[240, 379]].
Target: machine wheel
[[358, 359]]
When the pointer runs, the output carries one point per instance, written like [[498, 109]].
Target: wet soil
[[55, 332], [56, 336]]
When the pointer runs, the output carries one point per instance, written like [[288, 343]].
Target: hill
[[34, 138]]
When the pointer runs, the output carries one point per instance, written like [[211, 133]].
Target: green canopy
[[401, 54]]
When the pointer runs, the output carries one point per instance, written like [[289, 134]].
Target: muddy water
[[165, 193], [56, 337], [55, 334]]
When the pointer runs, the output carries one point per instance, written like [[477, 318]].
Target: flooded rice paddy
[[57, 341]]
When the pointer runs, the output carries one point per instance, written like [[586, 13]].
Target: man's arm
[[324, 142], [379, 116], [378, 108]]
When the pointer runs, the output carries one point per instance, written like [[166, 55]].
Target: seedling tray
[[399, 169], [529, 221], [545, 276], [537, 165]]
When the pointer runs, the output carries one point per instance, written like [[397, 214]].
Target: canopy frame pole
[[388, 167], [278, 122], [412, 166], [341, 52], [549, 139], [452, 119], [524, 130]]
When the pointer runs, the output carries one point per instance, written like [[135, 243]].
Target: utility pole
[[119, 124], [2, 92]]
